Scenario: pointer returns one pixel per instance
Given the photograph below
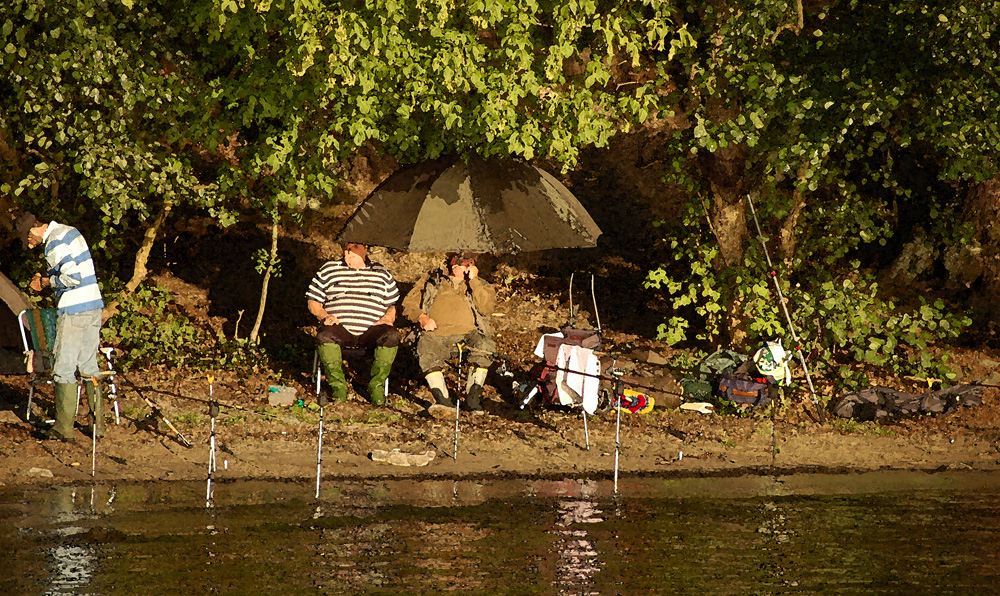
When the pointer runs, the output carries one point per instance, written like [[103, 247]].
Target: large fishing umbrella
[[494, 206]]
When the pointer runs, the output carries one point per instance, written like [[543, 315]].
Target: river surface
[[880, 533]]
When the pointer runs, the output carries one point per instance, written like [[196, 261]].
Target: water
[[886, 533]]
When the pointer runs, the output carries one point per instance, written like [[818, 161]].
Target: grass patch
[[191, 418], [382, 417], [869, 429]]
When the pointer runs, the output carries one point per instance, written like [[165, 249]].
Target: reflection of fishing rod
[[784, 309]]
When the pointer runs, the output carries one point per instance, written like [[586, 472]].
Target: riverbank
[[280, 443]]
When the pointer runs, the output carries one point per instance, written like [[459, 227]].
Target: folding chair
[[347, 353], [39, 342], [41, 327]]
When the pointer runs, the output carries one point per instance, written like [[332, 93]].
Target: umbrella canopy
[[497, 206]]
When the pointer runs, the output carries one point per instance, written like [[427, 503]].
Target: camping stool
[[346, 353]]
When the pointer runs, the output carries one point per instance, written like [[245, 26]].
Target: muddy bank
[[281, 444]]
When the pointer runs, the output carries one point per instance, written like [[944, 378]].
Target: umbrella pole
[[593, 296]]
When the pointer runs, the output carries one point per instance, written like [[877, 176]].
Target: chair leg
[[317, 370], [31, 394]]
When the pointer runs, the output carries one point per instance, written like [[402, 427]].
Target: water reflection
[[677, 536], [72, 561], [578, 558]]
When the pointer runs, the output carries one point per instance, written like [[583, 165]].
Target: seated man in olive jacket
[[453, 307]]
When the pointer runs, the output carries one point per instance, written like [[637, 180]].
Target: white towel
[[576, 388], [540, 347]]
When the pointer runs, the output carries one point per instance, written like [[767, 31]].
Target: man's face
[[34, 236], [460, 267], [353, 259]]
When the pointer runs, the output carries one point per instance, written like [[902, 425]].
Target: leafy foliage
[[870, 118], [147, 332], [857, 127]]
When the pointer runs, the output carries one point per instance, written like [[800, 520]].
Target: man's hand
[[427, 323], [472, 272], [38, 282], [330, 320]]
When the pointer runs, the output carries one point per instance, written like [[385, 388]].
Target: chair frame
[[46, 353]]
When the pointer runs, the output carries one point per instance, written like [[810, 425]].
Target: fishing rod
[[213, 412], [784, 309], [461, 350], [155, 411], [321, 399]]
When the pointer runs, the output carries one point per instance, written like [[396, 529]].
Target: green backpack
[[700, 387]]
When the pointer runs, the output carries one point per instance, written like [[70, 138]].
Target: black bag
[[747, 386], [877, 403]]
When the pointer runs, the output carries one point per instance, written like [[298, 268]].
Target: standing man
[[452, 308], [355, 302], [79, 307]]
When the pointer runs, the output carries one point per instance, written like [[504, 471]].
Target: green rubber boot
[[96, 406], [333, 365], [381, 365], [65, 410]]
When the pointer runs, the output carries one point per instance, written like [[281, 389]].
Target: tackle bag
[[701, 387], [746, 385]]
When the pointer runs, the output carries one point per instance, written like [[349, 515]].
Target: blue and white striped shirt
[[71, 270]]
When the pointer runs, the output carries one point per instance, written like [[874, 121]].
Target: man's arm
[[484, 296], [389, 317], [38, 282], [320, 313]]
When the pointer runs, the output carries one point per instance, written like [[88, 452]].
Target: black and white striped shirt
[[358, 297]]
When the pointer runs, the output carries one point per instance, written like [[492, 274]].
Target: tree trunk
[[787, 234], [272, 259], [139, 272], [983, 212], [728, 216]]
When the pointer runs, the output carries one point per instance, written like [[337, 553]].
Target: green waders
[[96, 405], [65, 409], [333, 364], [381, 365]]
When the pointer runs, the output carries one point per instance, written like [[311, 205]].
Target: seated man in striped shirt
[[79, 309], [355, 302]]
